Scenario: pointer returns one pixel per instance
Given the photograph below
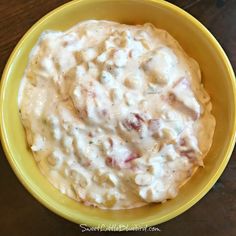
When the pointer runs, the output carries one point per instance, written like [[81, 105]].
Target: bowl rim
[[25, 180]]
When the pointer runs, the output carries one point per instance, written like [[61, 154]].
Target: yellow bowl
[[218, 78]]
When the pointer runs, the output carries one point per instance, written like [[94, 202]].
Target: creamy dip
[[115, 115]]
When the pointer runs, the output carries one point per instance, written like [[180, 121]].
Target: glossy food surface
[[217, 78]]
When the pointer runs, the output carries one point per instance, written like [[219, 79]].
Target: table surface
[[21, 214]]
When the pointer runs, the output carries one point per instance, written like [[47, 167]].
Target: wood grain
[[22, 215]]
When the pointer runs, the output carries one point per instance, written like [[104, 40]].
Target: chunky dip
[[115, 115]]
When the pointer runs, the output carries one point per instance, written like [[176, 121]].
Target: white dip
[[115, 115]]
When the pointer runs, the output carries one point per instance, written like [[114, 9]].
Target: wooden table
[[22, 215]]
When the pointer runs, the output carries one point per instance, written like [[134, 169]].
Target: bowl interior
[[217, 76]]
